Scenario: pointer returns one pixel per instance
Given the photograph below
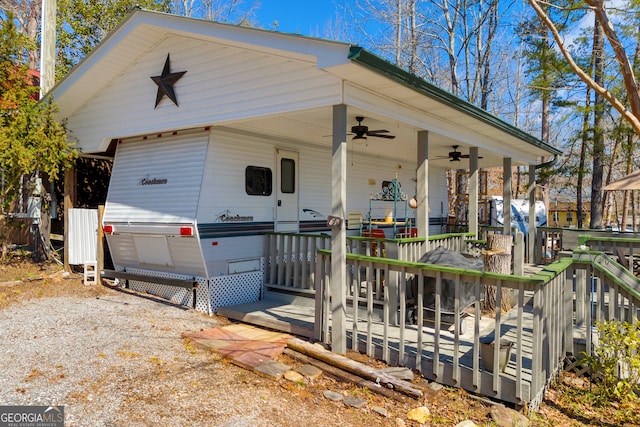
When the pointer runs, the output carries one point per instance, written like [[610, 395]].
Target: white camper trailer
[[221, 133], [194, 205], [519, 213]]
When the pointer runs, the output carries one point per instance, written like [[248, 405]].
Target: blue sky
[[306, 17]]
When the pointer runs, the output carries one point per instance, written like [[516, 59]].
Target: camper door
[[286, 191]]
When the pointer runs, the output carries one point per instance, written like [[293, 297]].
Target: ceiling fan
[[455, 155], [362, 132]]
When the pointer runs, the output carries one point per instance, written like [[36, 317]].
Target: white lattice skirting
[[219, 291]]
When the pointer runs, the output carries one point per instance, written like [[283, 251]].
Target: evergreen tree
[[31, 140]]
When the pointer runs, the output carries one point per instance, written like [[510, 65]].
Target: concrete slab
[[272, 369]]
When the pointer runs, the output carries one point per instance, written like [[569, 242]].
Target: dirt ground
[[22, 280]]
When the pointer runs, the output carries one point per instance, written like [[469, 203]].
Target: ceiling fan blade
[[381, 135], [378, 131]]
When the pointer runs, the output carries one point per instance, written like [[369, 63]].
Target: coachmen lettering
[[153, 181]]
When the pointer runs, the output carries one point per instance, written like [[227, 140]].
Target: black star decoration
[[165, 83]]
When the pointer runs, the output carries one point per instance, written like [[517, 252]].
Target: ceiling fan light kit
[[362, 132], [455, 155]]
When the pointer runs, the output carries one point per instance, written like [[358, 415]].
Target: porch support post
[[506, 195], [531, 238], [473, 191], [422, 185], [339, 235], [70, 187]]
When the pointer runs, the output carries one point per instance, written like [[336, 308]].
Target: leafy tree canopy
[[82, 24], [31, 140]]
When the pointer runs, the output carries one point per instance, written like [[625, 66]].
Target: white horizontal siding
[[222, 84], [315, 181], [223, 189], [178, 160]]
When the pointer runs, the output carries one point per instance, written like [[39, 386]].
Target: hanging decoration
[[165, 83]]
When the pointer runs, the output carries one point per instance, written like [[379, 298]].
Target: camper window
[[288, 176], [258, 181]]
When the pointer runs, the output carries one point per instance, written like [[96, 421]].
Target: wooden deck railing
[[290, 260], [551, 242], [290, 257], [540, 326], [625, 249]]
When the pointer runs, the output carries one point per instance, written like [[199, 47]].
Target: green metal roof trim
[[369, 60]]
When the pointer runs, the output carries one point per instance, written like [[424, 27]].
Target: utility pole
[[47, 81], [48, 47]]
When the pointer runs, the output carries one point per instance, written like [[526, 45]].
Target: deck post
[[506, 195], [531, 240], [422, 185], [473, 191], [70, 188], [518, 254], [339, 235]]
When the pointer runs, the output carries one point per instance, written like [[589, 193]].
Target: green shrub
[[615, 362]]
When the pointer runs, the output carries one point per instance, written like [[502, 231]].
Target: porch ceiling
[[315, 127]]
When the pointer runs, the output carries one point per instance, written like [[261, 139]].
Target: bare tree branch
[[633, 115]]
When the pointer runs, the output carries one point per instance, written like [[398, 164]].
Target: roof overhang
[[386, 95]]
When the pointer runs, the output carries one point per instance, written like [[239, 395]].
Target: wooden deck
[[298, 315]]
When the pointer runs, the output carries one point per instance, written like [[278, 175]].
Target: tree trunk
[[583, 156], [497, 259], [597, 197], [354, 367]]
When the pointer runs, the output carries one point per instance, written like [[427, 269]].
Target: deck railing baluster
[[496, 338], [478, 289], [385, 322], [456, 330], [419, 321], [290, 260], [402, 311], [370, 350], [536, 362], [519, 342], [304, 270], [437, 371], [355, 292]]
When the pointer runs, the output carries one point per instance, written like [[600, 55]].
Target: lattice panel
[[235, 289], [175, 294], [220, 291], [203, 302]]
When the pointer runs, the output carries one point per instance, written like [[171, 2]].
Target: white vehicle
[[519, 213], [197, 203]]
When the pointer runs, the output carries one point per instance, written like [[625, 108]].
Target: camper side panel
[[231, 222], [150, 213]]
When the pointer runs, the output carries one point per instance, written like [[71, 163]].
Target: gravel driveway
[[118, 360]]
